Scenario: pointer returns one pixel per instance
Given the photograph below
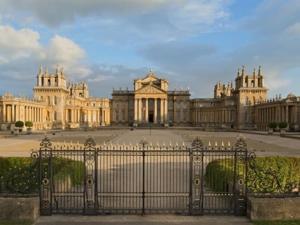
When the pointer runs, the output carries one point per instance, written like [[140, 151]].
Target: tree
[[19, 124]]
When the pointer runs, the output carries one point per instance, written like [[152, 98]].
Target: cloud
[[174, 54], [22, 52], [176, 16], [15, 44]]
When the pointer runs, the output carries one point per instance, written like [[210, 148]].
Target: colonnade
[[276, 113], [93, 116], [160, 110], [213, 115], [13, 112]]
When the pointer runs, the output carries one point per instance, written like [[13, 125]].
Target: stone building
[[59, 104], [56, 104], [150, 102], [244, 106]]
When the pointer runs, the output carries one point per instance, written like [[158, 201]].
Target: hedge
[[19, 175], [268, 175]]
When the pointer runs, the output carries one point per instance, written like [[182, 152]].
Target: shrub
[[28, 124], [269, 174], [20, 175], [19, 124], [272, 125], [283, 125]]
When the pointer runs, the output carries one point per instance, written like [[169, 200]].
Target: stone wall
[[287, 208], [19, 208]]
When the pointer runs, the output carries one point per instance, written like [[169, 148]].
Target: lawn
[[15, 222], [295, 222]]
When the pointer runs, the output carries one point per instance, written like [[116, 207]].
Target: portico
[[150, 109], [150, 100]]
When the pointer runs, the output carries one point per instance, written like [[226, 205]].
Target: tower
[[249, 90], [52, 89]]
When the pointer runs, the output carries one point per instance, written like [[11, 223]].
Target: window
[[49, 82]]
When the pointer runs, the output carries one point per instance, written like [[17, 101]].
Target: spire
[[57, 70], [259, 71], [62, 71], [238, 73], [243, 70], [46, 71], [254, 72], [41, 70]]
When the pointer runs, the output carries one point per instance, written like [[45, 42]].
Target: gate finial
[[45, 143], [241, 144], [197, 143], [89, 143]]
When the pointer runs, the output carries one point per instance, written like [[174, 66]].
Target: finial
[[238, 73], [56, 72], [259, 71], [254, 72], [243, 70], [41, 69]]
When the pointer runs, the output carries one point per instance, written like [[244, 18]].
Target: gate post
[[143, 143], [90, 175], [240, 183], [196, 179], [45, 177]]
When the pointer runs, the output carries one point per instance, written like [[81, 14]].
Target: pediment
[[149, 78], [150, 89]]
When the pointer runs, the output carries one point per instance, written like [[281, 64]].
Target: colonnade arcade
[[150, 109]]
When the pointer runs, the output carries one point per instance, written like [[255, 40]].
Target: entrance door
[[151, 120]]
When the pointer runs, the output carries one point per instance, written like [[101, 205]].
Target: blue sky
[[192, 43]]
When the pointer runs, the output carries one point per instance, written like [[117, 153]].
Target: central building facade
[[150, 102]]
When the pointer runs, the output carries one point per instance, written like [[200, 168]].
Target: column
[[166, 111], [135, 110], [287, 114], [12, 113], [147, 112], [140, 110], [155, 110], [4, 112], [161, 110]]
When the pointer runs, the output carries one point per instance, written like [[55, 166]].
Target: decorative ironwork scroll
[[45, 155], [90, 159]]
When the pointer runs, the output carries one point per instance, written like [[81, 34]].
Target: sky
[[108, 43]]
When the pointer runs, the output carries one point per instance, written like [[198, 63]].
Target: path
[[145, 220]]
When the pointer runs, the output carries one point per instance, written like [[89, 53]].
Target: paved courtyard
[[145, 220], [263, 145]]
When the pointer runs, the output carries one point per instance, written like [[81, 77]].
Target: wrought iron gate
[[142, 178]]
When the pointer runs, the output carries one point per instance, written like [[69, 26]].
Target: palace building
[[59, 104]]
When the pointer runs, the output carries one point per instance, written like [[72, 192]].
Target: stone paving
[[145, 220], [263, 145]]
